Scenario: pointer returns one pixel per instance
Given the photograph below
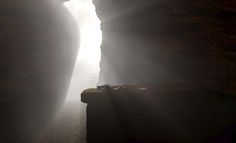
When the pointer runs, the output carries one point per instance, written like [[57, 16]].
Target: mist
[[86, 71]]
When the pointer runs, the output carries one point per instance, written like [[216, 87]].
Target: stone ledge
[[145, 91]]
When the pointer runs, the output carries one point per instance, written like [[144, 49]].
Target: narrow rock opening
[[86, 72]]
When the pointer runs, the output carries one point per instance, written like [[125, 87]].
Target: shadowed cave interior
[[167, 73]]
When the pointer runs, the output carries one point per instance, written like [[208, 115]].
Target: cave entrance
[[86, 72]]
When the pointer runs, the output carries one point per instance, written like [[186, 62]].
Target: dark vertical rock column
[[168, 41]]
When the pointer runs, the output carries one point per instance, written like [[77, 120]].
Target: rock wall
[[38, 49], [168, 41]]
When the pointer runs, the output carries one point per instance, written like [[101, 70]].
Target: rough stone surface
[[153, 114], [168, 41]]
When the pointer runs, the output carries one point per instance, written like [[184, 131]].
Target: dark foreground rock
[[152, 114]]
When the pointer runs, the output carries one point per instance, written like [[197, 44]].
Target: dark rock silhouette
[[156, 113], [168, 41], [186, 49]]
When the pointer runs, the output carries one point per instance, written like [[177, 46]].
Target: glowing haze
[[86, 71]]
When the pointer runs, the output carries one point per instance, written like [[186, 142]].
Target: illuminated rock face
[[38, 50], [168, 41]]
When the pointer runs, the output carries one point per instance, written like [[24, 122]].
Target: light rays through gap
[[86, 72]]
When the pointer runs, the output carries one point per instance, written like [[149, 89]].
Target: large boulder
[[159, 113]]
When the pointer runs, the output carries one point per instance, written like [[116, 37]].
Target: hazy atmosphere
[[117, 71], [86, 72], [70, 124]]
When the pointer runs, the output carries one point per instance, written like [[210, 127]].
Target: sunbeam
[[86, 71]]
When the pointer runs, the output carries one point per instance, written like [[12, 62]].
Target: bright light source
[[87, 66]]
